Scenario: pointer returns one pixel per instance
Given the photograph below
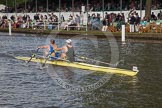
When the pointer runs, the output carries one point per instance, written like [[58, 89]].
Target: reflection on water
[[29, 86]]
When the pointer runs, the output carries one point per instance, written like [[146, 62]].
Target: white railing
[[45, 25]]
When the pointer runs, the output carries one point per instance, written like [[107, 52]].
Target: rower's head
[[69, 41], [52, 41]]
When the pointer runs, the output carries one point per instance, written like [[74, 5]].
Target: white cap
[[68, 41]]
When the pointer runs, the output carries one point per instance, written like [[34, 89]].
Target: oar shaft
[[102, 62], [99, 61], [94, 60], [47, 57]]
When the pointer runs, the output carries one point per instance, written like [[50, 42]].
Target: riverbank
[[147, 36]]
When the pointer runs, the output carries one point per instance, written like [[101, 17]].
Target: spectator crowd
[[26, 21], [111, 21]]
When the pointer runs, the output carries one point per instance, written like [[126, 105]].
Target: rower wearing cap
[[67, 51]]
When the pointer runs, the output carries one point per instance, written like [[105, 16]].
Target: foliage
[[10, 3]]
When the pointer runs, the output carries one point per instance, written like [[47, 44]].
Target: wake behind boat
[[81, 65]]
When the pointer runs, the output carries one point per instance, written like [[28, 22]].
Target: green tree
[[10, 3]]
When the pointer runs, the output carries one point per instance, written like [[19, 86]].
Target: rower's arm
[[58, 49], [43, 47], [70, 46]]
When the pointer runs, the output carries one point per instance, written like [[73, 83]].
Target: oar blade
[[43, 65], [32, 56]]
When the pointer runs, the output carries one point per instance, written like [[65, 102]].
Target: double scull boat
[[82, 66]]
